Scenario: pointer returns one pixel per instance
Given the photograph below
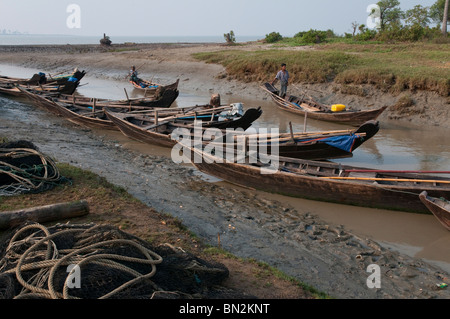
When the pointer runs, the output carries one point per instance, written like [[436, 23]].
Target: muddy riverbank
[[324, 255], [297, 242]]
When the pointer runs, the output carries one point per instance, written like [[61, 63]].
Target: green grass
[[390, 67]]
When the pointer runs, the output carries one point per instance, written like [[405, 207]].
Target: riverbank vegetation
[[403, 52], [392, 68]]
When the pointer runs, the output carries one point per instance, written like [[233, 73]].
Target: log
[[43, 214]]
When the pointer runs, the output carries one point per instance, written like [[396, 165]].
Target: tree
[[437, 12], [273, 37], [355, 26], [445, 18], [418, 16], [390, 13], [229, 37]]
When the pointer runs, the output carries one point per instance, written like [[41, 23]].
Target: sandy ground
[[324, 256]]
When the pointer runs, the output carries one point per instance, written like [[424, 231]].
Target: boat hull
[[355, 193]]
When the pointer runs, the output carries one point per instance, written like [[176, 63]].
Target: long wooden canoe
[[42, 78], [66, 88], [439, 207], [327, 181], [313, 145], [158, 131], [93, 115], [315, 110], [165, 100]]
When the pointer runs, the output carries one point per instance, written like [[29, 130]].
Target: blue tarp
[[344, 142]]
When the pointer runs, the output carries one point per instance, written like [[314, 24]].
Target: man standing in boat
[[134, 75], [283, 77]]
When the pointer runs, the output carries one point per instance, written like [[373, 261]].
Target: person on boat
[[134, 75], [283, 77]]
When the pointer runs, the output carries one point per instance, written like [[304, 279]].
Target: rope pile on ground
[[23, 169], [47, 263]]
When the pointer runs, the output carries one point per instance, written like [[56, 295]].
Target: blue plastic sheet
[[344, 142]]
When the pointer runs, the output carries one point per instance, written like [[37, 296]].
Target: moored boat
[[439, 207], [157, 128], [318, 111], [150, 88], [326, 181]]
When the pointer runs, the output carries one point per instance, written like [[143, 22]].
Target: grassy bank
[[113, 205], [392, 68]]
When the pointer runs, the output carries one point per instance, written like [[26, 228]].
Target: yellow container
[[338, 107]]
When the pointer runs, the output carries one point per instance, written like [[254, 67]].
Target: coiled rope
[[45, 258], [26, 178]]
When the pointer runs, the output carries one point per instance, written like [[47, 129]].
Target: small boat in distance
[[440, 208], [151, 88]]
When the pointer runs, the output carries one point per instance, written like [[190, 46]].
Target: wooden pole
[[292, 131], [388, 179], [126, 93], [44, 214], [394, 171], [304, 123]]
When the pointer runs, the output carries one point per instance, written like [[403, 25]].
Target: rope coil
[[26, 170], [45, 259]]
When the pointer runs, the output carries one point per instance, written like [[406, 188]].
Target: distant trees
[[273, 37], [389, 13], [229, 37], [392, 24], [418, 16], [416, 20]]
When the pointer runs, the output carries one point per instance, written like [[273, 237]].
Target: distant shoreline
[[36, 39]]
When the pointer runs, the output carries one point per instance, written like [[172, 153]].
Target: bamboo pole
[[387, 179], [394, 172]]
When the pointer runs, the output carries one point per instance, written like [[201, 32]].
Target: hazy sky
[[187, 17]]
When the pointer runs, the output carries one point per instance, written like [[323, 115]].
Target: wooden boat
[[95, 116], [46, 101], [315, 110], [439, 207], [326, 181], [150, 88], [82, 114], [319, 145], [42, 78], [165, 100], [157, 130], [13, 89]]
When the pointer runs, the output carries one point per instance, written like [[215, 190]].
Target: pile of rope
[[23, 169], [97, 262]]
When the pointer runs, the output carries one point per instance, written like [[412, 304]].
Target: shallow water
[[403, 147]]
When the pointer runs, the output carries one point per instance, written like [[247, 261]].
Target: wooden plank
[[44, 214]]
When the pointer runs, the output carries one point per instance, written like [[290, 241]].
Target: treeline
[[391, 24]]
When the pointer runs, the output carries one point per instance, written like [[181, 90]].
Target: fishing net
[[23, 169], [36, 263]]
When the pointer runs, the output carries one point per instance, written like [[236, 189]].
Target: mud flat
[[250, 225]]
